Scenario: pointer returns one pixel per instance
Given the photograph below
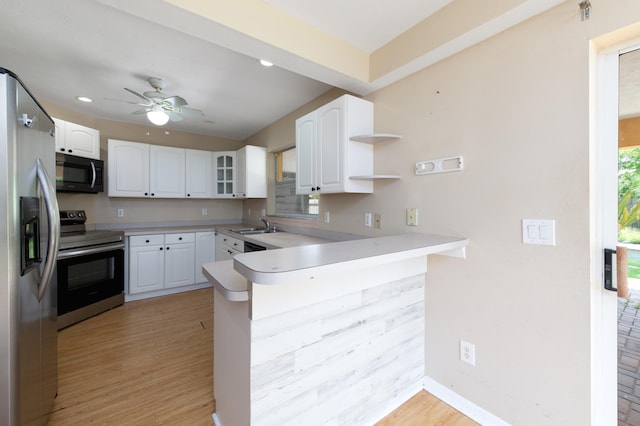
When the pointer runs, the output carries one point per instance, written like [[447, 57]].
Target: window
[[287, 202]]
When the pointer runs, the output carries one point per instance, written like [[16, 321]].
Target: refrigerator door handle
[[53, 218]]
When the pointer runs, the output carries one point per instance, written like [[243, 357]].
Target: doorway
[[628, 324], [606, 91]]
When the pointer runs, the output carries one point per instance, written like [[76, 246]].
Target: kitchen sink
[[252, 231]]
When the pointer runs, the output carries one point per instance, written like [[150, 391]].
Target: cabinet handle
[[62, 149], [180, 238], [146, 193], [146, 241], [153, 194], [318, 188], [161, 248], [168, 248], [70, 150], [188, 195]]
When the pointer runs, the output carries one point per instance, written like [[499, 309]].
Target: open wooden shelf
[[376, 138]]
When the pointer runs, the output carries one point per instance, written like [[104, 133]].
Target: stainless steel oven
[[90, 269]]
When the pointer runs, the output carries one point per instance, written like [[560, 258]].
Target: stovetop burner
[[73, 233]]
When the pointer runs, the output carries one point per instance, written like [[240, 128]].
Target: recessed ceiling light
[[266, 63], [84, 99]]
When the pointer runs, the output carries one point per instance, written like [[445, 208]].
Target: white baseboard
[[461, 404], [165, 292]]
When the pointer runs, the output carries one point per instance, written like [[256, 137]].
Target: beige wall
[[102, 209], [516, 108]]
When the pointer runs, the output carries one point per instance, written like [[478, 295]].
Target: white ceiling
[[67, 48], [365, 24]]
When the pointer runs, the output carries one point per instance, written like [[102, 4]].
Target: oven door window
[[87, 279]]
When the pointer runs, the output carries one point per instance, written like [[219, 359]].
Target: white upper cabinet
[[166, 171], [77, 140], [251, 172], [128, 169], [326, 155], [306, 153], [143, 170], [198, 177], [224, 170]]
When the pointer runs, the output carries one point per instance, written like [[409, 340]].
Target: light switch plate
[[367, 220], [539, 231]]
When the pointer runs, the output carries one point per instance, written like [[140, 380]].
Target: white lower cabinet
[[227, 247], [161, 261], [205, 253], [146, 263], [179, 259]]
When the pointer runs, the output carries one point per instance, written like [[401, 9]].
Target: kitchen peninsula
[[326, 333]]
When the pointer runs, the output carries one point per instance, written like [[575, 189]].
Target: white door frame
[[604, 67]]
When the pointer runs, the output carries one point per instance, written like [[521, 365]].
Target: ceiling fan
[[160, 108]]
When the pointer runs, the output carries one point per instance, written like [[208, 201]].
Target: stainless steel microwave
[[79, 174]]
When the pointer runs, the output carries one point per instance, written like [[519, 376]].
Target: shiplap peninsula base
[[329, 334]]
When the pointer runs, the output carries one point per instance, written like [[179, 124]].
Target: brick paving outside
[[629, 359]]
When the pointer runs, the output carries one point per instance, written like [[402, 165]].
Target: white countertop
[[290, 264], [232, 285], [169, 230], [278, 240]]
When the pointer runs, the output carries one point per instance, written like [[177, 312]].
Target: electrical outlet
[[377, 220], [412, 217], [468, 352], [120, 212], [327, 217], [367, 220], [204, 211]]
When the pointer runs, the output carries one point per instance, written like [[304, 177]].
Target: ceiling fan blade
[[127, 102], [189, 112], [175, 101], [142, 111], [174, 116], [139, 95]]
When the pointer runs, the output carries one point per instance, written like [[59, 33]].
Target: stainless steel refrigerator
[[29, 234]]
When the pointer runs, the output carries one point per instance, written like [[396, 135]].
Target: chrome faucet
[[266, 223]]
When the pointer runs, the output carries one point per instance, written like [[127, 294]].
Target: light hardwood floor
[[149, 362]]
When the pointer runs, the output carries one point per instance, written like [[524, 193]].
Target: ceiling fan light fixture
[[158, 117]]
